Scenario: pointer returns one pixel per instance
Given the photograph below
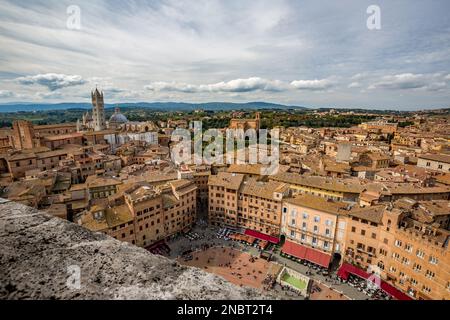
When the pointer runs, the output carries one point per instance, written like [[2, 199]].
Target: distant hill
[[164, 106]]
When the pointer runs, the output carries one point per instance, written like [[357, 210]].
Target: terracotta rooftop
[[21, 156], [143, 192], [402, 188], [319, 203], [53, 153], [377, 156], [169, 200], [254, 169], [429, 209], [50, 126], [181, 183], [227, 180], [183, 186], [436, 157], [245, 168], [95, 182], [339, 185], [118, 215], [92, 224], [64, 136], [333, 166], [263, 189], [372, 214], [444, 179]]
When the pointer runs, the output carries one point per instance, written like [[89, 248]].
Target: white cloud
[[49, 95], [242, 85], [52, 81], [354, 85], [106, 85], [359, 76], [436, 86], [406, 81], [112, 90], [312, 85], [401, 81], [237, 85], [171, 86], [247, 85], [6, 94]]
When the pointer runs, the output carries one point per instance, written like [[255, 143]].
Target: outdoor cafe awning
[[310, 254], [261, 236], [155, 245], [347, 269]]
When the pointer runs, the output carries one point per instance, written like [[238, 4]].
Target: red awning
[[310, 254], [347, 268], [294, 249], [261, 236], [393, 291], [318, 257], [155, 245]]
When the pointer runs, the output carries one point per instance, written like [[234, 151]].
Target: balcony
[[391, 276]]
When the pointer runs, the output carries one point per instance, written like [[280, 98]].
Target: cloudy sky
[[292, 52]]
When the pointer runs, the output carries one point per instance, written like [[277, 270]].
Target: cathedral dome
[[118, 117]]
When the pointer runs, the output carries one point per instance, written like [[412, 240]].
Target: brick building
[[246, 203]]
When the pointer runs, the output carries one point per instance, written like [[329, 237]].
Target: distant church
[[245, 124], [118, 122], [97, 120], [98, 110]]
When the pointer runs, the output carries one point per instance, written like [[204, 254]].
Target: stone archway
[[3, 166], [336, 261]]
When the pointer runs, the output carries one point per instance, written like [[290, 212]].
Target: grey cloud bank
[[52, 81]]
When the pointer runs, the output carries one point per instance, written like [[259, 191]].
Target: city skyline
[[287, 52]]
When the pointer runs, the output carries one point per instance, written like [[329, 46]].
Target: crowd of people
[[370, 289], [289, 291], [269, 282]]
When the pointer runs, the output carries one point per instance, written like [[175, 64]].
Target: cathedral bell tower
[[98, 110]]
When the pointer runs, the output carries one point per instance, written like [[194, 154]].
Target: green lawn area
[[299, 284]]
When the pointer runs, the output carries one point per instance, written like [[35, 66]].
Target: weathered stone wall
[[36, 250]]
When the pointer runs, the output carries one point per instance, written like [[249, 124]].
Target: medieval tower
[[98, 110], [23, 136]]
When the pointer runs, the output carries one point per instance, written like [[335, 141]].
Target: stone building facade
[[245, 124], [249, 204]]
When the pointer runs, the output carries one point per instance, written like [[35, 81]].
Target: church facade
[[246, 124]]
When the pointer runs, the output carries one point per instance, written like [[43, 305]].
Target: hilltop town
[[347, 202]]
